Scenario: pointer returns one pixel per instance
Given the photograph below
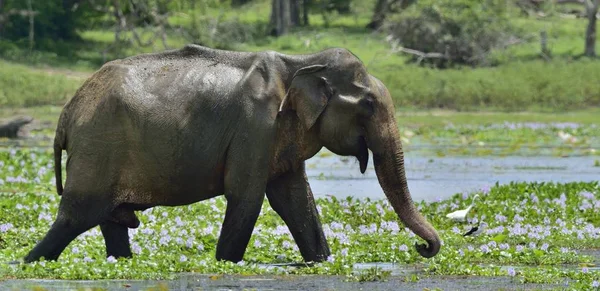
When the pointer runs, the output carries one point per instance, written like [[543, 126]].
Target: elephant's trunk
[[388, 158]]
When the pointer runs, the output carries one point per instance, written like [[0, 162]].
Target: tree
[[383, 8], [591, 11], [285, 14], [239, 2], [591, 7], [305, 5]]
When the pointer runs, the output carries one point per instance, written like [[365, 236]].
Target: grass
[[21, 86], [536, 232], [521, 82]]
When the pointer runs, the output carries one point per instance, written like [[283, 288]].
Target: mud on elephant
[[186, 125]]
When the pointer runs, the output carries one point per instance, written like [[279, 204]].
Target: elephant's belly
[[170, 191], [170, 183]]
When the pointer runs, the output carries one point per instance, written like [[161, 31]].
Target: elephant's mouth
[[363, 154]]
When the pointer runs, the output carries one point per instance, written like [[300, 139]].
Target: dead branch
[[570, 1], [422, 55]]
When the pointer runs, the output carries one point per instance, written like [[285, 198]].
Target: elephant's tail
[[59, 145]]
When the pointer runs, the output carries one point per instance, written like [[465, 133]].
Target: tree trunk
[[1, 16], [239, 2], [295, 13], [280, 17], [378, 14], [384, 7], [305, 9], [590, 33], [31, 25]]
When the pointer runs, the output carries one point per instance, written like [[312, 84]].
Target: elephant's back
[[147, 144]]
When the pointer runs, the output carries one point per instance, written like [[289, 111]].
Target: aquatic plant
[[534, 231]]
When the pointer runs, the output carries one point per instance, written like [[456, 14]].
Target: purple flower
[[519, 248], [544, 247], [182, 258], [147, 231], [485, 189], [281, 230], [504, 246], [6, 227], [164, 240], [331, 259], [511, 271], [485, 249], [391, 226], [344, 252], [75, 250], [461, 253], [500, 218], [595, 284], [178, 221], [584, 270], [136, 249], [518, 218], [403, 248], [111, 259], [456, 230], [336, 225]]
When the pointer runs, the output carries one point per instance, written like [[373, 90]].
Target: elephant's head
[[352, 111]]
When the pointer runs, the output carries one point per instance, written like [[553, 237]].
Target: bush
[[462, 31], [55, 20], [223, 34]]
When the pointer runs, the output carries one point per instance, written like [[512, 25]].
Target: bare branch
[[570, 1], [422, 55]]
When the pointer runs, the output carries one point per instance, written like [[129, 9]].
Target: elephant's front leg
[[245, 184], [292, 199]]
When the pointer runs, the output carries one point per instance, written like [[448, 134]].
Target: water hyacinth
[[170, 240]]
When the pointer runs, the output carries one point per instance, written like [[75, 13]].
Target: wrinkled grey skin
[[186, 125]]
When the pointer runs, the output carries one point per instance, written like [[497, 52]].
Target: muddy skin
[[186, 125]]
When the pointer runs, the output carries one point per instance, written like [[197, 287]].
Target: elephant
[[180, 126]]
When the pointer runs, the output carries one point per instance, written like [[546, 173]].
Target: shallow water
[[436, 178], [207, 282]]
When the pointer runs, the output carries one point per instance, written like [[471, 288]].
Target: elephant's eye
[[367, 106]]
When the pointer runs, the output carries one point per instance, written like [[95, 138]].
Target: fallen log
[[12, 128]]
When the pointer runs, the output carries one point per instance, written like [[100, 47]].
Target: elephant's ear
[[308, 95]]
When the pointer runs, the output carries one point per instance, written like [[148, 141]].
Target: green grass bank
[[520, 80]]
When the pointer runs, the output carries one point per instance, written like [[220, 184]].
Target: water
[[432, 179], [429, 179]]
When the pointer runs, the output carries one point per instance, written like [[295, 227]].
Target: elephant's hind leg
[[291, 197], [76, 214], [116, 234], [116, 238]]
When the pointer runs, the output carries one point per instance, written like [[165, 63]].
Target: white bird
[[567, 137], [461, 215], [476, 230]]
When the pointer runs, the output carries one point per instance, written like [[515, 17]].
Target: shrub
[[460, 31]]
